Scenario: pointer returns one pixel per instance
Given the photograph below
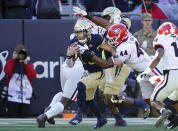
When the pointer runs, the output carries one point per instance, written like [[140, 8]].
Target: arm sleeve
[[9, 67], [158, 42]]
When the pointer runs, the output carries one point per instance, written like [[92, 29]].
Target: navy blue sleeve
[[73, 41], [98, 40]]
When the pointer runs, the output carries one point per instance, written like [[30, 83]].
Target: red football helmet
[[117, 34], [167, 28]]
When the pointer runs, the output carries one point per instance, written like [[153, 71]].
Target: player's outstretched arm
[[97, 20]]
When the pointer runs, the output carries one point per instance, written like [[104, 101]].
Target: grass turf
[[134, 124]]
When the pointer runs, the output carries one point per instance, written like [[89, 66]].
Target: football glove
[[82, 48], [88, 54], [143, 75], [79, 12]]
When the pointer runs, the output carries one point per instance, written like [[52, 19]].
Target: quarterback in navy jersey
[[85, 42], [93, 45]]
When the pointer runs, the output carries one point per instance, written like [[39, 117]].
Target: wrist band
[[115, 56]]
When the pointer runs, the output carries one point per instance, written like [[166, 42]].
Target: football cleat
[[100, 123], [50, 120], [41, 119], [122, 123], [164, 115], [76, 120], [146, 112]]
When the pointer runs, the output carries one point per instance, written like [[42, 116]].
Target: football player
[[166, 46], [69, 78], [88, 84], [106, 24]]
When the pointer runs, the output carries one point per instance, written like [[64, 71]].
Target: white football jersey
[[98, 30], [131, 54], [170, 45]]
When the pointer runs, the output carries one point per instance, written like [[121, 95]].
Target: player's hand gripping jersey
[[170, 45]]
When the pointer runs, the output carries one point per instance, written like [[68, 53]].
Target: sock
[[140, 103], [118, 116], [169, 105], [55, 109], [81, 98], [56, 98], [95, 108]]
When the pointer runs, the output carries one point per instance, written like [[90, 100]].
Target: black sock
[[94, 108], [169, 104]]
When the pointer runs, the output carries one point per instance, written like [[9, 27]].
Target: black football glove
[[87, 54]]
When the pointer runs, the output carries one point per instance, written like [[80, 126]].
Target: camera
[[22, 54]]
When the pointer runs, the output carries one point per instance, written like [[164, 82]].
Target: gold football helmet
[[111, 12], [126, 21], [83, 31]]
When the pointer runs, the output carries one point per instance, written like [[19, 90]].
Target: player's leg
[[169, 104], [161, 92], [86, 90], [69, 94], [113, 86], [119, 121], [55, 109], [128, 101]]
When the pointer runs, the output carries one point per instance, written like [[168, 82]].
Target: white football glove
[[82, 48], [143, 75], [80, 12]]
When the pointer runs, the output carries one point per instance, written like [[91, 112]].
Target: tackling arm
[[100, 21], [102, 63]]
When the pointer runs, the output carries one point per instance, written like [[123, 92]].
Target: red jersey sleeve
[[9, 67]]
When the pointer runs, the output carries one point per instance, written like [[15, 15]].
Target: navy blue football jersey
[[93, 44]]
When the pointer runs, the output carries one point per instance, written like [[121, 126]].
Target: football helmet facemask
[[83, 31]]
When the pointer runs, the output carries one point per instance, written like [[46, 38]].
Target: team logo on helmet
[[116, 31]]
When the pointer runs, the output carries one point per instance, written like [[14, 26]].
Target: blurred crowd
[[54, 9]]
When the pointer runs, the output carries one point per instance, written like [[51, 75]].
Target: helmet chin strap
[[83, 41]]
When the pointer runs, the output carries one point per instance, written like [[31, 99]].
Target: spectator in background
[[48, 9], [146, 35], [20, 74], [16, 9], [126, 5], [97, 5], [172, 5], [31, 10], [158, 11]]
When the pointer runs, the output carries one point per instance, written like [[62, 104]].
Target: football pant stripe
[[158, 88]]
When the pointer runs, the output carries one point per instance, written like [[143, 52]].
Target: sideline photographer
[[20, 74]]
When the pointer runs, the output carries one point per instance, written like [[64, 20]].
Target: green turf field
[[134, 124]]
